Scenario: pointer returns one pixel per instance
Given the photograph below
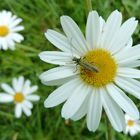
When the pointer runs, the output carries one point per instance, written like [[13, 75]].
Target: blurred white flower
[[9, 26], [132, 125], [20, 94], [108, 48]]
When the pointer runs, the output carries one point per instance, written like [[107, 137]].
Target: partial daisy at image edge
[[9, 28], [107, 45], [21, 94], [132, 125]]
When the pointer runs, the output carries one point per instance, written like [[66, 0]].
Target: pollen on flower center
[[130, 123], [106, 65], [4, 31], [19, 97]]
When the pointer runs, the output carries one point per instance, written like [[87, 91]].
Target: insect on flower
[[83, 63], [80, 61]]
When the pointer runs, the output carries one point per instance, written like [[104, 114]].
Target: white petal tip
[[93, 12], [17, 117], [47, 32], [37, 99], [39, 54], [47, 104], [36, 87], [64, 17], [64, 116], [92, 130]]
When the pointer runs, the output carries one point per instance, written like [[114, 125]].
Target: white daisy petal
[[94, 111], [18, 110], [126, 130], [123, 101], [137, 127], [128, 45], [102, 23], [4, 98], [28, 104], [62, 93], [26, 86], [133, 132], [128, 55], [132, 64], [123, 35], [31, 90], [113, 111], [55, 57], [7, 88], [123, 51], [53, 76], [75, 101], [14, 83], [13, 18], [82, 110], [127, 117], [20, 82], [73, 32], [111, 26], [130, 85], [10, 42], [26, 110], [4, 44], [17, 37], [16, 22], [32, 97], [59, 82], [19, 28], [128, 72], [58, 40], [92, 29]]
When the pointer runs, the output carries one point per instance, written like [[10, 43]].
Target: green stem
[[5, 114], [125, 137], [88, 6], [27, 48], [109, 129], [39, 134]]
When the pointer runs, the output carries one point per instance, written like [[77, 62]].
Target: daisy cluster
[[21, 91], [94, 71]]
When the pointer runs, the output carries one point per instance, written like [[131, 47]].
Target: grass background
[[38, 16]]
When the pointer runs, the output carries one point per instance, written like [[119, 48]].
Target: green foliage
[[38, 16]]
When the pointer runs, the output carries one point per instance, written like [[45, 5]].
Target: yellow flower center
[[106, 65], [130, 123], [4, 31], [19, 97]]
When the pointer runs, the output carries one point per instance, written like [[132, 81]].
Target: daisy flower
[[20, 94], [9, 26], [132, 125], [95, 70]]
